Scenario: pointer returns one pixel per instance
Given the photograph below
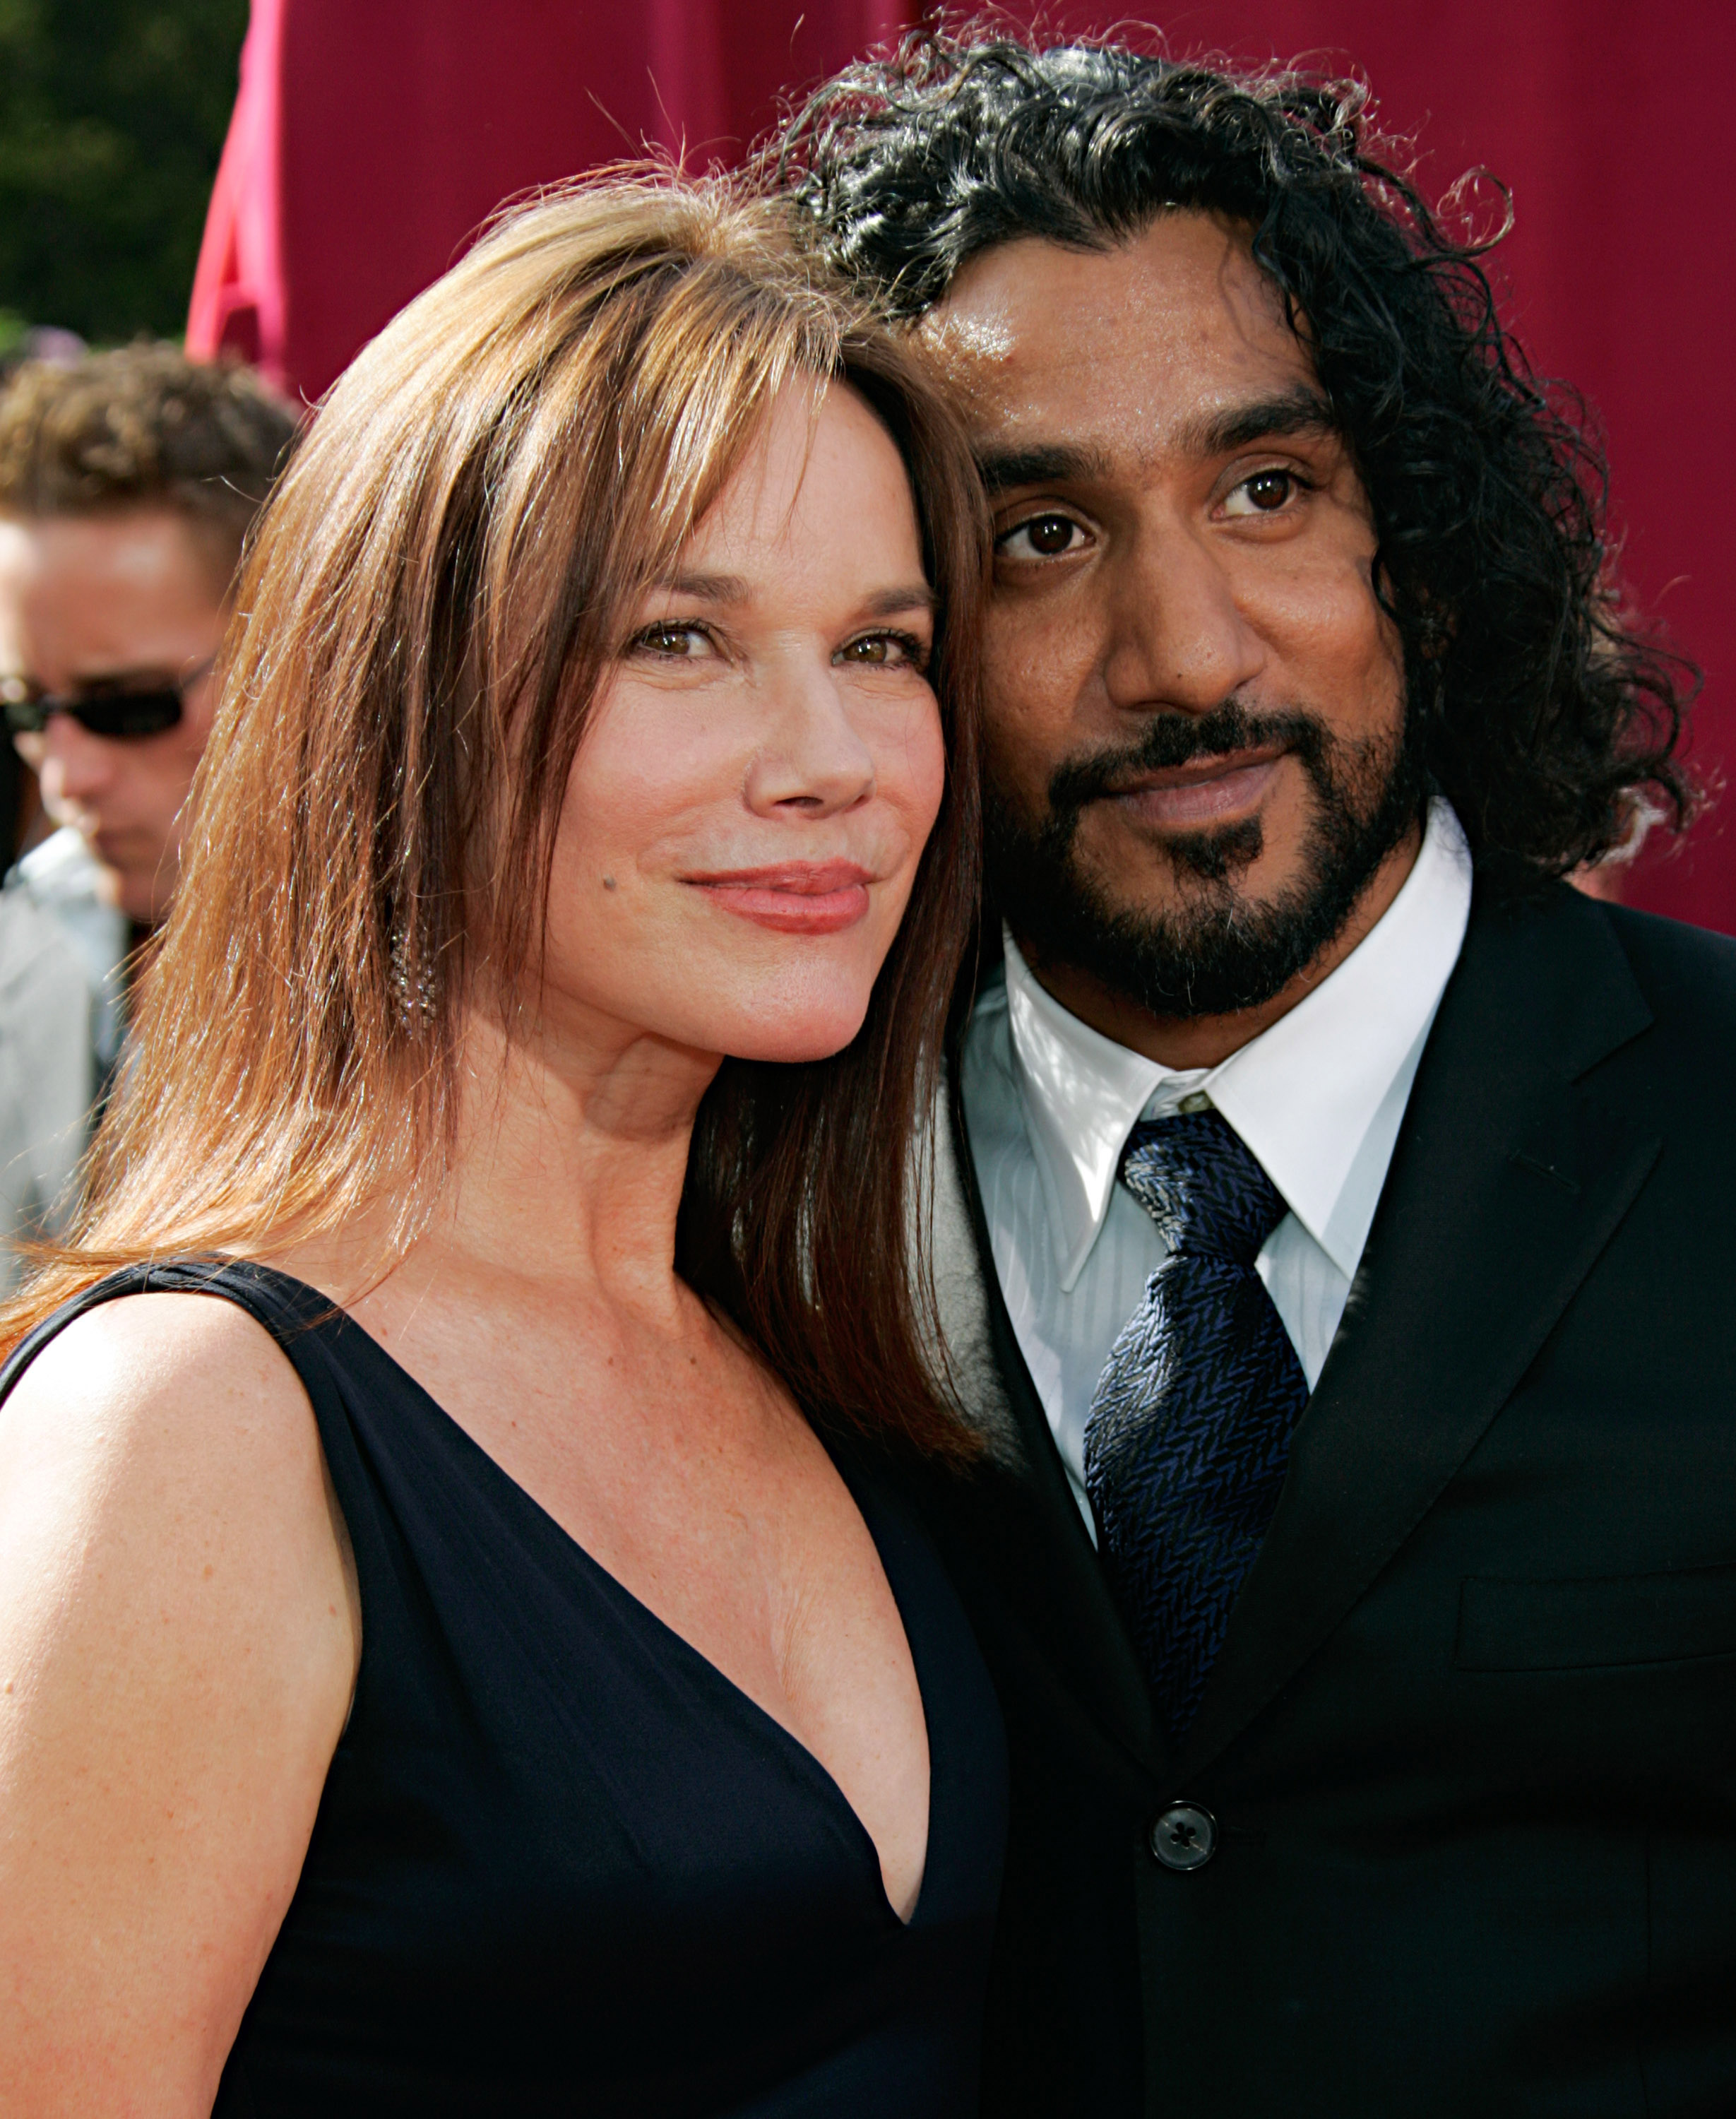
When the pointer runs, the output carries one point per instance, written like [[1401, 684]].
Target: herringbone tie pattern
[[1189, 1427]]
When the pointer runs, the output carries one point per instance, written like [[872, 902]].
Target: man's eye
[[1264, 493], [685, 642], [1040, 537]]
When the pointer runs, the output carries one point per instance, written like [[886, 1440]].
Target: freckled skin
[[1163, 571]]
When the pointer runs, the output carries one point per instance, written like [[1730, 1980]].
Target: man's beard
[[1213, 952]]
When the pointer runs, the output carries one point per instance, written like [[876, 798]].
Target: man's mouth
[[793, 898], [110, 844], [1221, 789]]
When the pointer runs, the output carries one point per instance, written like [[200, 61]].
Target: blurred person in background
[[45, 1063], [128, 482]]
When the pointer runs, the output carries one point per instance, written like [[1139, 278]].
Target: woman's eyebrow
[[735, 588], [706, 588], [888, 602]]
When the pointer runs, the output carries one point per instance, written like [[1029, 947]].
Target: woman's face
[[764, 762]]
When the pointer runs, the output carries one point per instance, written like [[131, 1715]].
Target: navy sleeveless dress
[[562, 1864]]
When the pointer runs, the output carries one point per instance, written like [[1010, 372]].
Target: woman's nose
[[813, 758]]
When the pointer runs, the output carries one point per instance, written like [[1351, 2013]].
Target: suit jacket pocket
[[1597, 1622]]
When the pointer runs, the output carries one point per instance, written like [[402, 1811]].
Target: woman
[[449, 1673]]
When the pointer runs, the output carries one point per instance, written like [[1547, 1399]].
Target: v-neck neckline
[[784, 1739]]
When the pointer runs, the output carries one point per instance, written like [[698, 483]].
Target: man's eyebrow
[[1302, 411], [1042, 463], [1299, 411], [136, 677]]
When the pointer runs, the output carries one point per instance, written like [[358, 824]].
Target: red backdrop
[[369, 143]]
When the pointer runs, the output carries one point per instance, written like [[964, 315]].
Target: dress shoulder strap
[[358, 1398], [290, 1311]]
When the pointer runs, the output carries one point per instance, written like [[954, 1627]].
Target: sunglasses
[[149, 710]]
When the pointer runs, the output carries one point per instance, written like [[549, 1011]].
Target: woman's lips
[[1210, 792], [796, 897]]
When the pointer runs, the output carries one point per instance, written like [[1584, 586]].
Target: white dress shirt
[[1318, 1097], [48, 1075], [64, 878]]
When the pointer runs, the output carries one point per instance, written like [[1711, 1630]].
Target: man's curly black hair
[[1539, 711]]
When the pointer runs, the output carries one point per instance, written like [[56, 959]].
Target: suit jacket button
[[1185, 1837]]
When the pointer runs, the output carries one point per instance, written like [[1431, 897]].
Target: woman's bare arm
[[179, 1636]]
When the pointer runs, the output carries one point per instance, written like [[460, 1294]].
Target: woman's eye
[[1040, 537], [1264, 493], [684, 641], [900, 649]]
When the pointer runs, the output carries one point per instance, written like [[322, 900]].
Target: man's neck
[[1185, 1042]]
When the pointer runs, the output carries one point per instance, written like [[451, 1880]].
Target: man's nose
[[1179, 639], [76, 765], [812, 758]]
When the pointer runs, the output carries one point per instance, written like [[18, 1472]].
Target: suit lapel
[[1508, 1180], [1046, 1564]]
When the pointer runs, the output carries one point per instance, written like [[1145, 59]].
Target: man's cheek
[[1032, 663], [1016, 782]]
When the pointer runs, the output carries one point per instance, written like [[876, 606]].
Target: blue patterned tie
[[1189, 1427]]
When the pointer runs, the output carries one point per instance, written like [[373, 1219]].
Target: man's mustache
[[1170, 739]]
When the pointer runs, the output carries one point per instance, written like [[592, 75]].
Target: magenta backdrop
[[369, 142]]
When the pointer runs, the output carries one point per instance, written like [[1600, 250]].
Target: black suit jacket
[[1471, 1742]]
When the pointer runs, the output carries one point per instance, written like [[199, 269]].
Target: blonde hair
[[443, 575]]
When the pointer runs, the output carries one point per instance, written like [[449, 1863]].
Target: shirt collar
[[1302, 1095]]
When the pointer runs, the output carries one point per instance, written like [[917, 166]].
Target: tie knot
[[1202, 1185]]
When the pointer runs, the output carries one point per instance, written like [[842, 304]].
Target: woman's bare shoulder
[[156, 1431], [166, 1327], [190, 1381], [179, 1637], [154, 1428]]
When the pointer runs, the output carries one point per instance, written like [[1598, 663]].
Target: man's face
[[89, 603], [1196, 750]]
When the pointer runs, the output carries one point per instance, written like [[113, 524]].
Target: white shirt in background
[[64, 878], [48, 1075], [63, 951]]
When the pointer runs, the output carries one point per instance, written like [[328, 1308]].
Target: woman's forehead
[[819, 467]]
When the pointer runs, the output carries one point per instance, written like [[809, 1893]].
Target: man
[[128, 482], [1335, 1251]]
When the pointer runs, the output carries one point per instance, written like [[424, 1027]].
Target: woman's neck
[[570, 1152]]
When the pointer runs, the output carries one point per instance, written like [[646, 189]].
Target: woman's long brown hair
[[440, 584]]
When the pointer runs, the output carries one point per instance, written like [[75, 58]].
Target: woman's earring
[[412, 990]]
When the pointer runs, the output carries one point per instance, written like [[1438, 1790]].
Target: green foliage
[[111, 118]]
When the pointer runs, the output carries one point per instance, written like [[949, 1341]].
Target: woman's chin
[[790, 1037]]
